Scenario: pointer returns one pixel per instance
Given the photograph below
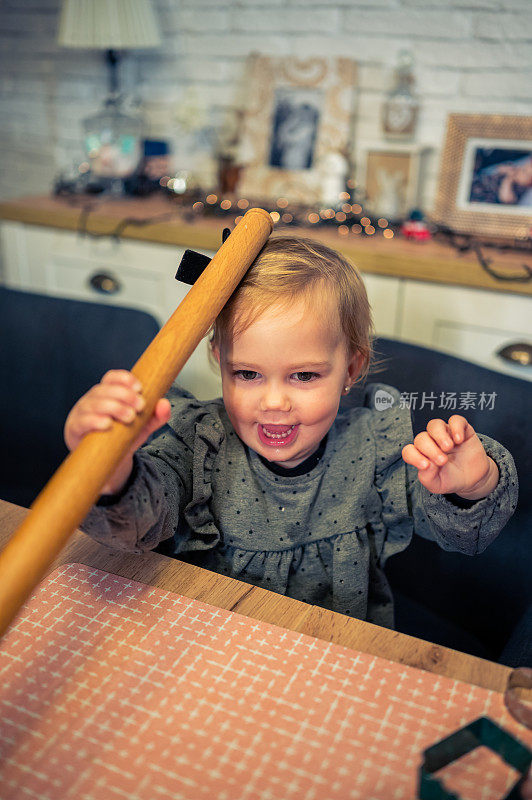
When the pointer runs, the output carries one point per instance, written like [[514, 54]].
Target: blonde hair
[[288, 268]]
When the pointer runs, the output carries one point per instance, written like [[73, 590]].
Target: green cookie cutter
[[482, 732]]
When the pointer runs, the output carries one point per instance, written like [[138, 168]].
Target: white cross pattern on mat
[[113, 689]]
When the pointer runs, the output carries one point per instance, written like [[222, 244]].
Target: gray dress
[[322, 537]]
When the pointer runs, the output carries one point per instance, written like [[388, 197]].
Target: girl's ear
[[215, 351], [354, 367]]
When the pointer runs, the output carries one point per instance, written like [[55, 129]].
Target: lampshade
[[108, 24]]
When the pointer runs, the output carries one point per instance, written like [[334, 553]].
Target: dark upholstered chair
[[51, 351], [480, 604]]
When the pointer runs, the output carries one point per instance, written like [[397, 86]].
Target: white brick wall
[[471, 55]]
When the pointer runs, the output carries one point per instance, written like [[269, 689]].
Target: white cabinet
[[470, 323], [66, 264], [385, 297]]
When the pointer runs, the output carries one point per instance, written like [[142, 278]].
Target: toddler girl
[[274, 484]]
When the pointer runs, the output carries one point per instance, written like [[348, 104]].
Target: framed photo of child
[[485, 184], [298, 113]]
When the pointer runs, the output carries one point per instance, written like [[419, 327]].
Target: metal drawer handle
[[518, 353], [104, 283]]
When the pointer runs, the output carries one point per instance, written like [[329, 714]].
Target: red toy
[[416, 228]]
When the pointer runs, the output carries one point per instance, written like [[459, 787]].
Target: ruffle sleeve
[[203, 532], [169, 496], [392, 430], [467, 530]]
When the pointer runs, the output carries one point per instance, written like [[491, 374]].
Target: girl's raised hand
[[450, 458], [117, 397]]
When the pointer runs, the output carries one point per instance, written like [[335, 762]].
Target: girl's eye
[[245, 374], [305, 377]]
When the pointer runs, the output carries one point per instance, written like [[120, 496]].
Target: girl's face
[[283, 377]]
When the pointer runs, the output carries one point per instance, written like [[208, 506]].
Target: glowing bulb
[[243, 203], [179, 184], [388, 233], [343, 230], [356, 208], [382, 223], [370, 230], [275, 216], [226, 204], [282, 202], [313, 218], [211, 199], [356, 228]]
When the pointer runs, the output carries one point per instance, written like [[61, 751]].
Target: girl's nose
[[275, 399]]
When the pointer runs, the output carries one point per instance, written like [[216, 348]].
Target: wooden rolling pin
[[67, 497]]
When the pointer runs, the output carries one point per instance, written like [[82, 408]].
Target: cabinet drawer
[[478, 344], [118, 252], [100, 282], [468, 323]]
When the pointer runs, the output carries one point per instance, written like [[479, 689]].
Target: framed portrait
[[485, 184], [391, 176], [296, 125]]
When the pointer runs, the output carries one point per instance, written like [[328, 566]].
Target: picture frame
[[296, 127], [391, 177], [485, 183]]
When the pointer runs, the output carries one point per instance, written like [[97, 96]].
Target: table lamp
[[112, 137]]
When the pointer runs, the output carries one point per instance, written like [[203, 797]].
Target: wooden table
[[261, 604]]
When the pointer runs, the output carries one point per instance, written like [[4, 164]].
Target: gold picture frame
[[296, 126], [485, 184]]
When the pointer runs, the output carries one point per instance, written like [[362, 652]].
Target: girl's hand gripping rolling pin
[[72, 490]]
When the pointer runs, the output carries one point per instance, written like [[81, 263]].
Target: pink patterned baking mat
[[111, 689]]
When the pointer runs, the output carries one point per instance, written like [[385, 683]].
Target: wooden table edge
[[221, 591], [412, 261]]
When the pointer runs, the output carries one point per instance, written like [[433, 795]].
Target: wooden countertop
[[252, 601], [428, 261]]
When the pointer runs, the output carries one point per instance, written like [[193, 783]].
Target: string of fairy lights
[[348, 216]]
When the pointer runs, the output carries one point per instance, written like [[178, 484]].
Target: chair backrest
[[52, 350], [486, 594]]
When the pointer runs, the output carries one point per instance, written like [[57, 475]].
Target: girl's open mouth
[[277, 435]]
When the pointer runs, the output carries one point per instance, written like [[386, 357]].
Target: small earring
[[346, 389]]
